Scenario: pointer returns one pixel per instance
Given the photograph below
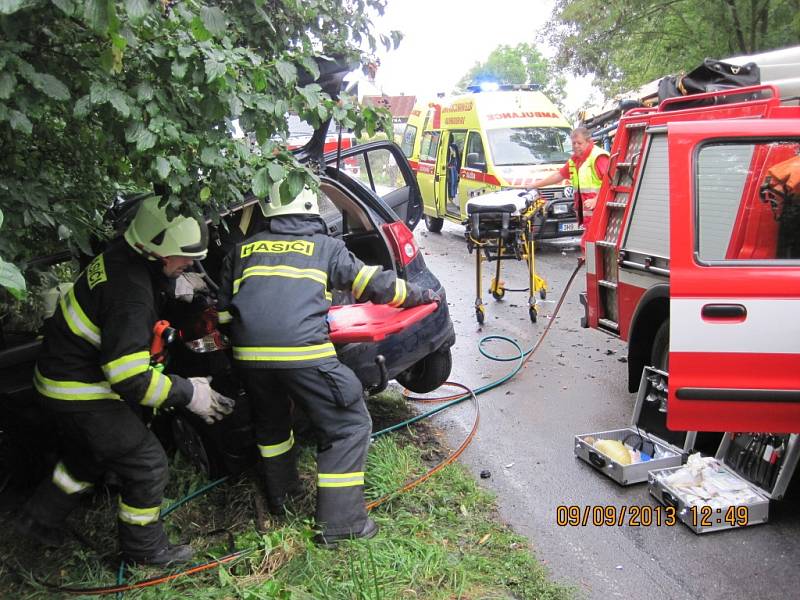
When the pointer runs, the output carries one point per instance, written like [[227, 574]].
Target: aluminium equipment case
[[648, 429], [707, 519]]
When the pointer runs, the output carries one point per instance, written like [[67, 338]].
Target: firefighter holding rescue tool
[[275, 294], [584, 169], [95, 373]]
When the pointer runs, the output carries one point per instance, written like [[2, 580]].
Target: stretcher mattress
[[510, 201], [372, 322]]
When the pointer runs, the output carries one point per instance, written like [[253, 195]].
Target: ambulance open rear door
[[734, 360]]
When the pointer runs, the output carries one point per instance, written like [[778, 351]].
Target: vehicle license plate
[[569, 227]]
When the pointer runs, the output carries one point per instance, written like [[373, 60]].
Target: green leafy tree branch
[[518, 64], [99, 97], [627, 43]]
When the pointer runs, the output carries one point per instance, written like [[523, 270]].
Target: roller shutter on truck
[[648, 230]]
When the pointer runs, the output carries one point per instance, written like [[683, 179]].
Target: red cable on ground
[[441, 465]]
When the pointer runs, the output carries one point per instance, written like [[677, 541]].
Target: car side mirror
[[474, 163]]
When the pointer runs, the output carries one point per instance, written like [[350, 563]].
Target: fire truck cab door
[[734, 347]]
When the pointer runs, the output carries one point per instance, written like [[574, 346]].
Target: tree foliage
[[518, 64], [626, 43], [102, 96]]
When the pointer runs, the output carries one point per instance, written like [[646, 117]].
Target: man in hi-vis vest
[[584, 169]]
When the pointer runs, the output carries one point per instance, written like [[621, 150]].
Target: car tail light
[[402, 241], [203, 335]]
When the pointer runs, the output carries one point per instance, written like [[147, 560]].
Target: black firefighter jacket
[[275, 292], [96, 349]]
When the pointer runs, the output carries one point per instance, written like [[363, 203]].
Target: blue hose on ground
[[458, 400], [523, 357]]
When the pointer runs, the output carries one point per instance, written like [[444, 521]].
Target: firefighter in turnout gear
[[94, 372], [275, 294]]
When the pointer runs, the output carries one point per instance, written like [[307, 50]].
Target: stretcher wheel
[[480, 313], [543, 293], [532, 313], [497, 289]]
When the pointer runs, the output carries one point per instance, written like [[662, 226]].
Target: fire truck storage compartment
[[646, 241], [647, 433], [741, 488]]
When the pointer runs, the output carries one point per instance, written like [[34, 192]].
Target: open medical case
[[658, 447], [733, 489]]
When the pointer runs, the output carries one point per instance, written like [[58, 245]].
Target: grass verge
[[442, 540]]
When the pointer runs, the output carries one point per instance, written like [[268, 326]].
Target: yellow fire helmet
[[153, 234], [305, 203]]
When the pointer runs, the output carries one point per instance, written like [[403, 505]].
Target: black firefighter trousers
[[332, 397], [116, 440]]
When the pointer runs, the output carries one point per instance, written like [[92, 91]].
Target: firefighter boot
[[281, 481], [44, 516], [341, 510], [327, 540], [148, 545]]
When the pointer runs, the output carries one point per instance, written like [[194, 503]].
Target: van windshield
[[529, 145]]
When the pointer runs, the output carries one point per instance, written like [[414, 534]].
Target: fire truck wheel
[[479, 314], [659, 352], [434, 224], [498, 293], [543, 293], [532, 314]]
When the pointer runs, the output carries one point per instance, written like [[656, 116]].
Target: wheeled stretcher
[[499, 227]]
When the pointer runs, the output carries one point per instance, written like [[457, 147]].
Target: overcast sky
[[443, 39]]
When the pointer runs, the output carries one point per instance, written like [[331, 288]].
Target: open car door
[[734, 359], [383, 168]]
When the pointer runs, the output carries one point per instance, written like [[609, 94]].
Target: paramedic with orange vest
[[585, 170]]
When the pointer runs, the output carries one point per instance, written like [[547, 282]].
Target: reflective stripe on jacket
[[276, 287], [96, 346]]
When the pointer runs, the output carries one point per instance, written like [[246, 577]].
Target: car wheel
[[659, 352], [434, 224], [195, 447], [429, 373]]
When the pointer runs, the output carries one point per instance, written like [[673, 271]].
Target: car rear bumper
[[403, 349]]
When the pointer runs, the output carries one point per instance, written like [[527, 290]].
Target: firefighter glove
[[207, 403], [429, 296]]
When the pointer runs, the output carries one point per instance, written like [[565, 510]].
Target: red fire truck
[[696, 264]]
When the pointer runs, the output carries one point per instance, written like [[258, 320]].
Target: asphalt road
[[577, 384]]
